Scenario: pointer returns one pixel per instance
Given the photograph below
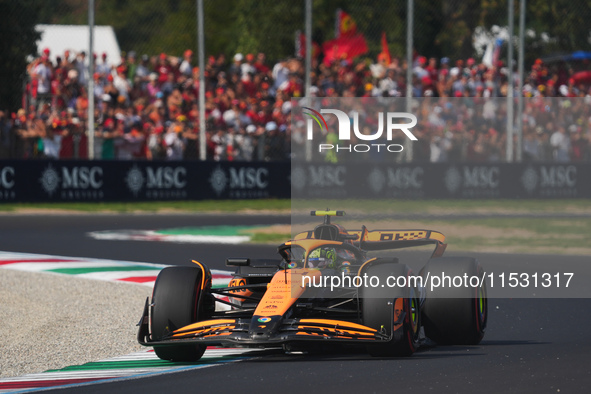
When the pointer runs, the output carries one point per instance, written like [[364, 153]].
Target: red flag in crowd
[[300, 46], [345, 25], [344, 48], [385, 50], [348, 44]]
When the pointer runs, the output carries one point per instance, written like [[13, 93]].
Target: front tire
[[176, 304], [395, 311], [455, 315]]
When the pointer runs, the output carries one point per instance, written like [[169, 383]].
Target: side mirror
[[237, 262]]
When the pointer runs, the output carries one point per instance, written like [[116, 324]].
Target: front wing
[[238, 332]]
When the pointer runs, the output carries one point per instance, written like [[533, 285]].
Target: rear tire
[[455, 315], [382, 307], [176, 304]]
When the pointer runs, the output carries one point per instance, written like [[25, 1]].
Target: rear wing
[[394, 239], [389, 239]]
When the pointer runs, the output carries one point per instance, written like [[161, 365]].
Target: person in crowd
[[186, 68], [173, 141], [42, 74], [74, 143], [236, 66], [103, 67], [560, 142], [81, 66], [52, 140]]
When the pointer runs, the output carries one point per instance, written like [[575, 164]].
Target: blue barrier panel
[[27, 181], [46, 181], [441, 180]]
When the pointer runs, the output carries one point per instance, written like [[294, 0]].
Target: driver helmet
[[321, 258]]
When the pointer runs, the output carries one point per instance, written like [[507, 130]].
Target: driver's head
[[321, 258]]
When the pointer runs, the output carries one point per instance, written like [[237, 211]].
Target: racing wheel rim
[[481, 307], [414, 315]]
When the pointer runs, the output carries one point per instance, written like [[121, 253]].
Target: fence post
[[201, 48], [409, 45], [308, 66], [520, 85], [90, 117], [510, 87]]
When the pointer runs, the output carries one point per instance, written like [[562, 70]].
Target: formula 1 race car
[[324, 290]]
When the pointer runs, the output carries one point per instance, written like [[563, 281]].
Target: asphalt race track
[[66, 236], [531, 345]]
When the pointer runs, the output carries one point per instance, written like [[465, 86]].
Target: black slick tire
[[394, 311], [175, 304], [455, 315]]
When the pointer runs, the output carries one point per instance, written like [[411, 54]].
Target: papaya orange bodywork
[[284, 289]]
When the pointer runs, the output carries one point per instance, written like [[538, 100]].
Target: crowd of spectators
[[146, 107]]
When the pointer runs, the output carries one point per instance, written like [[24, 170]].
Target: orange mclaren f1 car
[[325, 289]]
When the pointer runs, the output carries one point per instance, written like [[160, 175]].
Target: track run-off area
[[137, 364]]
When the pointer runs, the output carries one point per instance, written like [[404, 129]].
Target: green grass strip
[[81, 270], [207, 230], [368, 206], [263, 238], [206, 206], [137, 364]]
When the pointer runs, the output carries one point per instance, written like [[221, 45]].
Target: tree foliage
[[18, 41], [441, 28], [565, 21]]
